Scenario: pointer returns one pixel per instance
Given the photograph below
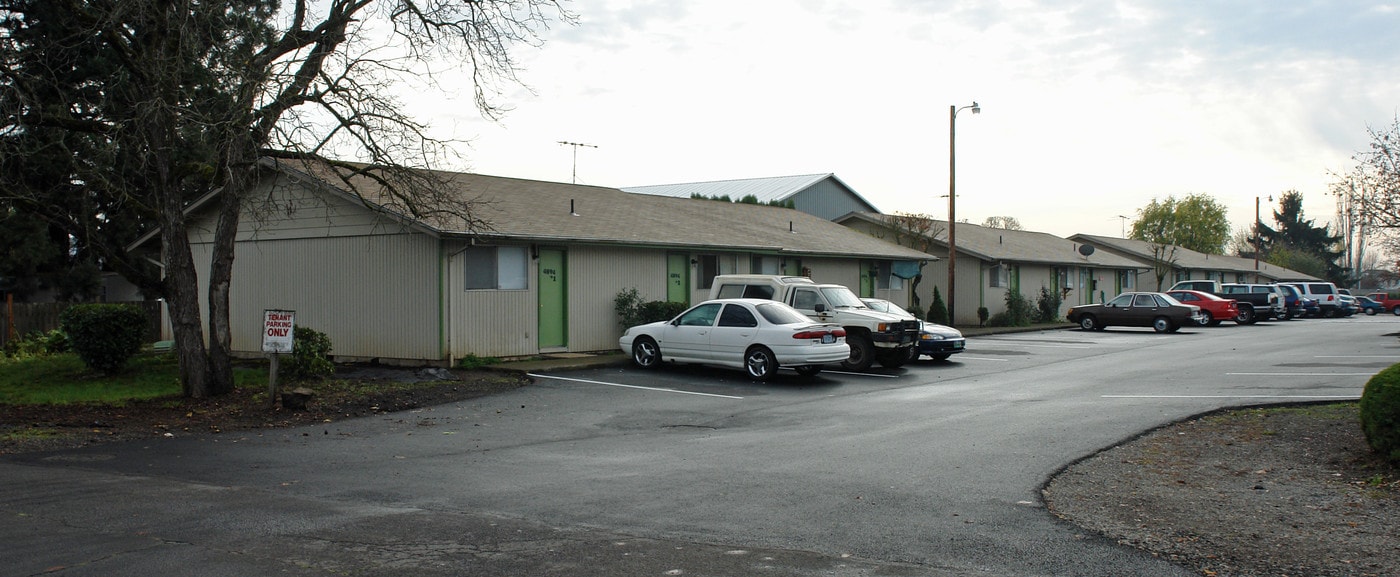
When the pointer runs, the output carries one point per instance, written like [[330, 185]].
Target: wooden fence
[[20, 319]]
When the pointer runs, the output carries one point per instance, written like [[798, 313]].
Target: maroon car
[[1213, 308]]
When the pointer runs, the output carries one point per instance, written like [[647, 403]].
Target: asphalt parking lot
[[931, 469]]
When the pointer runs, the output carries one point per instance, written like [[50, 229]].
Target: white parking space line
[[1344, 397], [1355, 356], [861, 374], [1299, 374], [1030, 344], [967, 358], [538, 376]]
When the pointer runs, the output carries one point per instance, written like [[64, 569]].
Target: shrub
[[1048, 306], [937, 311], [310, 358], [37, 344], [625, 304], [105, 336], [632, 311], [1017, 314], [652, 311], [982, 314], [1380, 413], [917, 311]]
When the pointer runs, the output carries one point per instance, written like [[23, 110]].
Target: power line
[[576, 145]]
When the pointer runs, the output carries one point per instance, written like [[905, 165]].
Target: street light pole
[[953, 203]]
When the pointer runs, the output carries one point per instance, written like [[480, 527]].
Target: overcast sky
[[1090, 108]]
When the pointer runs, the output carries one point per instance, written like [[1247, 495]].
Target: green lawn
[[63, 379]]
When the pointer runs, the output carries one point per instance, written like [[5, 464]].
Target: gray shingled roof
[[1192, 260], [1017, 246], [550, 211]]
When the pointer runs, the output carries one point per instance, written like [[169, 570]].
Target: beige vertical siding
[[375, 296], [504, 323], [596, 275]]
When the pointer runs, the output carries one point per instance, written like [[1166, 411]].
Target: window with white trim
[[999, 276], [496, 268]]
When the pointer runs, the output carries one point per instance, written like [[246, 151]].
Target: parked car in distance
[[1369, 306], [1276, 307], [1325, 293], [1213, 308], [1136, 309], [1391, 303], [935, 340], [1293, 301], [756, 335], [1349, 305], [1253, 305]]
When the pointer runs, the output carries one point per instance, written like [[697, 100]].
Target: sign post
[[278, 331]]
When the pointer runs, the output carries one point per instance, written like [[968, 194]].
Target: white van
[[1326, 295]]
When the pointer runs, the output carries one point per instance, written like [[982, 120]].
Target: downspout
[[444, 308]]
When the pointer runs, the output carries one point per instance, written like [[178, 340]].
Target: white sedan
[[756, 335]]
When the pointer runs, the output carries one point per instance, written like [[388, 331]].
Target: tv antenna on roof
[[576, 145]]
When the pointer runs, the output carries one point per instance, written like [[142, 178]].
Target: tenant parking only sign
[[277, 331]]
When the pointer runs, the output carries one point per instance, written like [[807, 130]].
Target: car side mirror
[[820, 308]]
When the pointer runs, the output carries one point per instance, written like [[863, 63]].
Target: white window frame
[[496, 268]]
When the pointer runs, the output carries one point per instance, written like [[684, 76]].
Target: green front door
[[867, 279], [554, 313], [678, 278]]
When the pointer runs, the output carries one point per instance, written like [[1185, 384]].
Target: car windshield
[[886, 307], [781, 314], [842, 297]]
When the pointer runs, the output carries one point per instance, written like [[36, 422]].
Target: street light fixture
[[953, 202]]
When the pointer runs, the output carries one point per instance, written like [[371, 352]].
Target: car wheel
[[1396, 310], [862, 353], [940, 357], [1246, 317], [809, 370], [1207, 319], [914, 353], [1329, 313], [1162, 325], [645, 353], [893, 359], [1088, 323], [760, 363]]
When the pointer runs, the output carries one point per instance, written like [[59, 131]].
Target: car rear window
[[1322, 289], [781, 314]]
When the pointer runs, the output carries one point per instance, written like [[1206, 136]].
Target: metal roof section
[[769, 189], [1013, 246]]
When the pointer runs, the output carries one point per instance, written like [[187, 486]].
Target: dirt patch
[[1245, 493], [355, 391]]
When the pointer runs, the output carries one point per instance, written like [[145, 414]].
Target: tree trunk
[[182, 291], [238, 180]]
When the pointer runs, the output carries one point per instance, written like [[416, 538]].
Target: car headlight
[[930, 337]]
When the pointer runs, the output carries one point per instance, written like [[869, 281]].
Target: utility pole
[[576, 145]]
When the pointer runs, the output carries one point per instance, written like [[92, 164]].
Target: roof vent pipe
[[790, 227], [571, 208]]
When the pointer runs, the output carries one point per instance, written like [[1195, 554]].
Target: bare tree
[[193, 93], [1003, 222], [1373, 187]]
